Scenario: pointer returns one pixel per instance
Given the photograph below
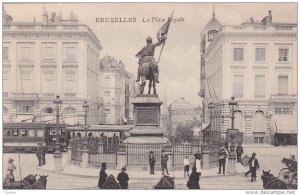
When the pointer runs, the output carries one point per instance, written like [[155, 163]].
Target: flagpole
[[166, 34]]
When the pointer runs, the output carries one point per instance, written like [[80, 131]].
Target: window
[[49, 53], [259, 86], [23, 132], [238, 54], [283, 55], [106, 81], [26, 53], [15, 132], [283, 111], [31, 133], [260, 54], [5, 54], [283, 85], [25, 74], [70, 74], [238, 85], [70, 86], [25, 109], [259, 140], [40, 133], [211, 35], [70, 53], [107, 97]]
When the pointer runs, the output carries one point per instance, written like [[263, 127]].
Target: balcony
[[259, 97], [24, 96], [69, 95], [283, 98]]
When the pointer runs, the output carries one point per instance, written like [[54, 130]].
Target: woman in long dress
[[198, 158]]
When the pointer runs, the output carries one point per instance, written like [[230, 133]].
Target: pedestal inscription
[[147, 116]]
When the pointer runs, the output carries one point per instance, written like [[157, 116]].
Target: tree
[[184, 132]]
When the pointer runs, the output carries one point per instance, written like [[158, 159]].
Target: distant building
[[57, 56], [182, 112], [256, 62], [118, 89]]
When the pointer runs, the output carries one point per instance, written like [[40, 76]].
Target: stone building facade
[[256, 62]]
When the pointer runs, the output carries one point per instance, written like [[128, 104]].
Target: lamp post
[[85, 107], [210, 107], [57, 154], [85, 150], [232, 103]]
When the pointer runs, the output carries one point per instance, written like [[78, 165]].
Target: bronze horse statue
[[272, 182], [146, 71]]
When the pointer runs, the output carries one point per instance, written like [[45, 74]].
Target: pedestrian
[[186, 164], [222, 155], [151, 162], [11, 168], [197, 164], [253, 163], [43, 153], [102, 176], [193, 182], [123, 178], [239, 151], [39, 153], [164, 162]]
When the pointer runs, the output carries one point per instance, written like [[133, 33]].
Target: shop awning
[[24, 118], [284, 124]]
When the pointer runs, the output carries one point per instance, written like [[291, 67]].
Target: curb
[[96, 177]]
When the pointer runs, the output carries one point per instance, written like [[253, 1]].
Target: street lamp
[[57, 154], [85, 107], [232, 103], [210, 107]]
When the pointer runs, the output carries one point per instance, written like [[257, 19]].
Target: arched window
[[259, 126]]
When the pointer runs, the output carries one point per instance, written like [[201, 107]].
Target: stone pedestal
[[58, 162], [84, 158], [232, 163], [205, 159], [146, 128], [69, 154]]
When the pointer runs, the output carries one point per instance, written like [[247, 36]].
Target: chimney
[[270, 17]]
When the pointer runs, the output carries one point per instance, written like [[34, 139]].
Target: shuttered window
[[260, 54], [259, 86], [283, 85], [238, 54]]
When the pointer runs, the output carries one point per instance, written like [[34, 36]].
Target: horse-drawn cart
[[289, 174]]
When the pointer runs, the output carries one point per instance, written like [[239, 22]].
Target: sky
[[180, 60]]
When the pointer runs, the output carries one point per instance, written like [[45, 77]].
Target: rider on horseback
[[146, 56]]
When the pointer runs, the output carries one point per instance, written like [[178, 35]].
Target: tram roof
[[103, 128]]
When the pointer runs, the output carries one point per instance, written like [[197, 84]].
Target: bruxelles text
[[135, 19]]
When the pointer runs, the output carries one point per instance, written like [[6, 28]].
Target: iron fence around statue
[[138, 155]]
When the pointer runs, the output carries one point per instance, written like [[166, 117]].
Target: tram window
[[15, 132], [53, 133], [6, 132], [40, 133], [23, 132], [31, 133]]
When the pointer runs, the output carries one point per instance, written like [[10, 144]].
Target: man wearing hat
[[146, 54], [151, 162], [222, 155], [10, 169], [164, 162], [253, 163], [123, 178], [102, 176], [39, 153]]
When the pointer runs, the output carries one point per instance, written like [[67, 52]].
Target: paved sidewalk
[[76, 171]]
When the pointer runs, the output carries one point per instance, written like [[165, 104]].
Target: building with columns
[[118, 89], [256, 62], [57, 56]]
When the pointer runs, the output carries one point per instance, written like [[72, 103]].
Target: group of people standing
[[122, 177], [253, 162], [41, 152]]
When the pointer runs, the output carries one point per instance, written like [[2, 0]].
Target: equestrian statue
[[148, 66]]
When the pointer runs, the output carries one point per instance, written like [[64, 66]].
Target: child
[[186, 164]]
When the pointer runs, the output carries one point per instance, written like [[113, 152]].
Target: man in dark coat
[[164, 161], [123, 178], [43, 153], [151, 162], [102, 176], [239, 151], [39, 153], [222, 155], [194, 178], [253, 163]]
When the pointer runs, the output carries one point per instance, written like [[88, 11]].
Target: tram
[[21, 137]]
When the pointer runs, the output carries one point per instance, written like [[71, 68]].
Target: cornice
[[56, 35]]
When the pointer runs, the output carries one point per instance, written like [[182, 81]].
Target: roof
[[213, 24]]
